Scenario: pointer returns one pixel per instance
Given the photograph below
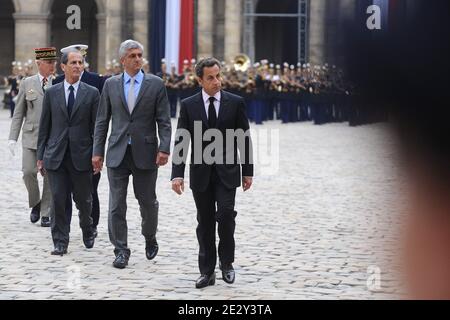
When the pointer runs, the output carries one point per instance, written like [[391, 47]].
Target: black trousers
[[95, 201], [173, 100], [66, 178], [216, 204]]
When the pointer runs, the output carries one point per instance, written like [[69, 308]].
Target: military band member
[[283, 92], [172, 89], [171, 81], [13, 82]]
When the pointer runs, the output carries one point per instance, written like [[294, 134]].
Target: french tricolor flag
[[171, 33], [390, 9]]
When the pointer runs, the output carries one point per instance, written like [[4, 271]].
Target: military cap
[[81, 48], [45, 53]]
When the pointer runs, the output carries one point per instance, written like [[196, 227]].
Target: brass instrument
[[241, 62]]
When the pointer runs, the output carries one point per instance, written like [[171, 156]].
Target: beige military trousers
[[30, 173]]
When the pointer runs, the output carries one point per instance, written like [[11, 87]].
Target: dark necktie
[[212, 116], [71, 100], [44, 83]]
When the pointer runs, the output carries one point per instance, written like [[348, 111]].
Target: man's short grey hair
[[128, 45], [65, 56]]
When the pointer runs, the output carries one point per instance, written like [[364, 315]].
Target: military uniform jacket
[[28, 112]]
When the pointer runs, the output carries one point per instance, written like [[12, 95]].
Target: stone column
[[32, 30], [317, 30], [113, 29], [248, 38], [140, 23], [233, 18], [205, 18], [101, 56]]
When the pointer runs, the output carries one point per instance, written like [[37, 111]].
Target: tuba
[[241, 62]]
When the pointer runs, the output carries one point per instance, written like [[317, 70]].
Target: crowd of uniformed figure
[[289, 93]]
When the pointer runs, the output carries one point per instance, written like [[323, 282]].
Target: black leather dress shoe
[[88, 238], [205, 280], [45, 222], [35, 213], [228, 274], [59, 250], [121, 261], [151, 249]]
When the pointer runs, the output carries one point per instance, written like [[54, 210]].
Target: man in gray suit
[[65, 149], [138, 106], [28, 112]]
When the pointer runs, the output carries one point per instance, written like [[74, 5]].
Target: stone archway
[[7, 34], [34, 26], [280, 31], [284, 24], [92, 11]]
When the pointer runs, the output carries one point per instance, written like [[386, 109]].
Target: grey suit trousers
[[29, 169], [144, 183]]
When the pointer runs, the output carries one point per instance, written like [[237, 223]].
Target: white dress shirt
[[42, 78], [216, 102], [67, 91]]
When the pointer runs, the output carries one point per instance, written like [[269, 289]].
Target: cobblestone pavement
[[320, 228]]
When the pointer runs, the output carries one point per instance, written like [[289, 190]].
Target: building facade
[[283, 30]]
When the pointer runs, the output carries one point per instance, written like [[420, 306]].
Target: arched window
[[61, 36]]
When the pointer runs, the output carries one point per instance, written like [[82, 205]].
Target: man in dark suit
[[138, 106], [65, 149], [213, 183], [97, 81]]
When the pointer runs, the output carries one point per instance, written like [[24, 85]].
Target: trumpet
[[241, 62]]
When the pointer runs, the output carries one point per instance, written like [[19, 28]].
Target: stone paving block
[[310, 231]]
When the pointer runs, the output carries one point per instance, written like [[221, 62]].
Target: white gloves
[[12, 147]]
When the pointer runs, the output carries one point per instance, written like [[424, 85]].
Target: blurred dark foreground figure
[[405, 68]]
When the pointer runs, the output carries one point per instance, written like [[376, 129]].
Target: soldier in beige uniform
[[28, 112]]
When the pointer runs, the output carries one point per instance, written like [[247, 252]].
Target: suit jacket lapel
[[201, 105], [223, 105], [61, 98], [144, 86], [122, 94]]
